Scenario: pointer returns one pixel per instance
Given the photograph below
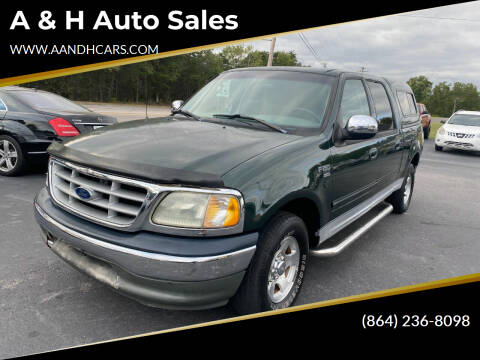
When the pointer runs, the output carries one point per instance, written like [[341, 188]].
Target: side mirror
[[442, 121], [361, 127], [176, 105]]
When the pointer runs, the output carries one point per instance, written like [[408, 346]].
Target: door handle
[[372, 153]]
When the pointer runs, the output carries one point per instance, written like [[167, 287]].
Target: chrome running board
[[342, 221], [335, 250]]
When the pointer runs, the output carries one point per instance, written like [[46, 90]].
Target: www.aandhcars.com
[[80, 49]]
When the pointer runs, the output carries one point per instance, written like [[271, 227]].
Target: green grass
[[433, 129]]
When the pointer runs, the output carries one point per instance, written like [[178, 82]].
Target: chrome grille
[[461, 135], [109, 199]]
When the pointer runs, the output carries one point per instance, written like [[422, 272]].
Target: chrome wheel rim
[[8, 156], [408, 190], [283, 270]]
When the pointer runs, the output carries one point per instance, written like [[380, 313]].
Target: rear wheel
[[276, 272], [401, 198], [438, 148], [12, 160]]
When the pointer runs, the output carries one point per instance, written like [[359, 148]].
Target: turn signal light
[[63, 128], [222, 211]]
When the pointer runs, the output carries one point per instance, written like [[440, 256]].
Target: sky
[[441, 43]]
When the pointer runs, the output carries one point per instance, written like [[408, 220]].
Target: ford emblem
[[84, 193]]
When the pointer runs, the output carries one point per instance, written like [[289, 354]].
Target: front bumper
[[471, 144], [193, 281]]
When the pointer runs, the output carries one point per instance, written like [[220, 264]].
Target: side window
[[411, 103], [383, 108], [402, 99], [2, 105], [14, 105], [354, 101]]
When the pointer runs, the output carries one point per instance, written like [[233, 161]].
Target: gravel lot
[[45, 304]]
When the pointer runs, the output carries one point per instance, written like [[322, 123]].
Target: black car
[[30, 120]]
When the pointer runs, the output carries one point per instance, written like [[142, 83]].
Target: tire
[[401, 198], [269, 283], [12, 159], [438, 148]]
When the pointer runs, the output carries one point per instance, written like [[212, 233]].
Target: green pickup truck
[[230, 197]]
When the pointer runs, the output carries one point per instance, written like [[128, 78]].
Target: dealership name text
[[177, 20]]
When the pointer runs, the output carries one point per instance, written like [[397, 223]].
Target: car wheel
[[12, 160], [438, 148], [275, 275], [401, 198]]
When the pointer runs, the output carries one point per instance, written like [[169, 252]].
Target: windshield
[[464, 119], [291, 100], [48, 101]]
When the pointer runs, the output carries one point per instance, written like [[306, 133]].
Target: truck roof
[[332, 72]]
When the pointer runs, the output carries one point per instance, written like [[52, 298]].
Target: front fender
[[273, 179]]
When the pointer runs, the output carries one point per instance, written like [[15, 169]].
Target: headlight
[[441, 131], [197, 210]]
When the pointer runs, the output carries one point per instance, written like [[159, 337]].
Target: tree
[[422, 88], [234, 56], [441, 100], [466, 95]]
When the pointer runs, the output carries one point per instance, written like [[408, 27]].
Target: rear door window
[[402, 99], [354, 100], [407, 103], [383, 108], [411, 104]]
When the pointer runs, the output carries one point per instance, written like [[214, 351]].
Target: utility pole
[[272, 48], [454, 105]]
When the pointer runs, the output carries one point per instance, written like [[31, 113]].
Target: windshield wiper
[[263, 122], [186, 113]]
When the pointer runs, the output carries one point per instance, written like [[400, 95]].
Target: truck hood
[[170, 150]]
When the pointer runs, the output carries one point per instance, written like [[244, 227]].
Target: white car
[[461, 131]]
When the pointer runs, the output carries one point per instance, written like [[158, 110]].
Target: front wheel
[[276, 272], [438, 148], [401, 198]]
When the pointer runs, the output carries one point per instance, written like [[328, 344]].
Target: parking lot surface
[[45, 304], [128, 112]]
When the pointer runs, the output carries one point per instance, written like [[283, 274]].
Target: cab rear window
[[407, 103]]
